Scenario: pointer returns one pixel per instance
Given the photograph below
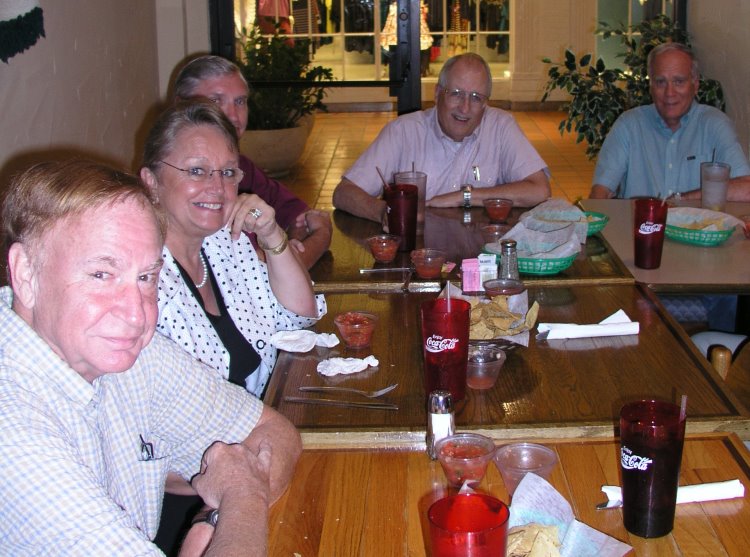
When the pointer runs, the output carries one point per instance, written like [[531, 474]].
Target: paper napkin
[[302, 340], [615, 325], [715, 491], [337, 366]]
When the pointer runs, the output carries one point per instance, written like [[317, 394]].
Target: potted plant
[[600, 94], [277, 113]]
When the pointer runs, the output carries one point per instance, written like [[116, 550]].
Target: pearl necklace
[[205, 271]]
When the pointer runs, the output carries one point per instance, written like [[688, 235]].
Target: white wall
[[87, 87], [720, 38]]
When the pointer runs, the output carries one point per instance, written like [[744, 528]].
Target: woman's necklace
[[205, 271]]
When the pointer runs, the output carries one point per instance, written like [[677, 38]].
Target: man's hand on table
[[310, 235]]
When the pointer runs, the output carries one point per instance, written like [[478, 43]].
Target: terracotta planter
[[276, 151]]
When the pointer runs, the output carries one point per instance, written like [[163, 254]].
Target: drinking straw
[[683, 407], [380, 173], [448, 295], [413, 168]]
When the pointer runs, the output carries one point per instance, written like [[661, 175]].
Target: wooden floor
[[338, 139]]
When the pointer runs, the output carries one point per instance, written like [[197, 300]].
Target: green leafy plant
[[600, 94], [266, 60]]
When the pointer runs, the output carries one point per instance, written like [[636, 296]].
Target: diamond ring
[[256, 213]]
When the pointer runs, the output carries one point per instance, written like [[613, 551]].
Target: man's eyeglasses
[[200, 174], [455, 97]]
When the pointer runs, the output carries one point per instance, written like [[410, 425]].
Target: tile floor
[[337, 139]]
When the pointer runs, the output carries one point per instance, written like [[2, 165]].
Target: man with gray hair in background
[[657, 149], [221, 82]]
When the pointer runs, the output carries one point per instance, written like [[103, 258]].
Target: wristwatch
[[466, 189], [209, 516]]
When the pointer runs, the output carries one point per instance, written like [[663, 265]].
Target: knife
[[343, 403]]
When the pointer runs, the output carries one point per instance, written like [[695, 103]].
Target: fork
[[368, 394]]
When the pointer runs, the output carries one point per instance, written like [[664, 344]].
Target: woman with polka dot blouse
[[217, 298]]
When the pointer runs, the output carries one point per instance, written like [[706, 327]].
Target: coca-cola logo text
[[647, 228], [436, 343], [632, 461]]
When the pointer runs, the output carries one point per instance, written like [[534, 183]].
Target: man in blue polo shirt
[[657, 149]]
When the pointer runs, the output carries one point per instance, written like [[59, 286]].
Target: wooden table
[[453, 230], [684, 267], [570, 388], [367, 502]]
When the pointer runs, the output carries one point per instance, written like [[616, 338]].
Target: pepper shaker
[[440, 420], [509, 260]]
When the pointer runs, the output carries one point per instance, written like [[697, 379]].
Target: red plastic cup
[[470, 524], [418, 179], [445, 342], [402, 200], [652, 434], [649, 220]]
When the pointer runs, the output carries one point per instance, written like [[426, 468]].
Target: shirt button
[[670, 166]]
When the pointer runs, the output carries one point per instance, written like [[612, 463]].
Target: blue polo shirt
[[644, 157]]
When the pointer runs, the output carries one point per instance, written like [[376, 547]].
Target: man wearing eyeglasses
[[469, 151], [657, 149]]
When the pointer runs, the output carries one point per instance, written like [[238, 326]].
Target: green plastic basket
[[597, 222], [544, 266], [697, 237]]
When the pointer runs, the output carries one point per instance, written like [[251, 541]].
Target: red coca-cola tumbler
[[652, 433], [649, 220], [445, 339]]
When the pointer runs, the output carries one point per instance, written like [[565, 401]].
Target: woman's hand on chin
[[252, 214]]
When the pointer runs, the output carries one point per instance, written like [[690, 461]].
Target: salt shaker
[[440, 421], [509, 260]]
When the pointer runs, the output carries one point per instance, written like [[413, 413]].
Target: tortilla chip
[[533, 540]]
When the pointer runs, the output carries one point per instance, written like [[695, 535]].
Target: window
[[352, 36]]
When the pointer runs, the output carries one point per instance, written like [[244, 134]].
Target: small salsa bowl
[[356, 328], [464, 457], [383, 247], [491, 233], [484, 365], [428, 262], [498, 209]]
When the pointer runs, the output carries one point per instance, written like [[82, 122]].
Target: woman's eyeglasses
[[200, 174]]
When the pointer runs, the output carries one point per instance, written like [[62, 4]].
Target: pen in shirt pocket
[[691, 157]]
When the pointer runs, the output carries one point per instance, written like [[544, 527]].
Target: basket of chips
[[597, 222], [542, 266], [493, 319], [699, 227]]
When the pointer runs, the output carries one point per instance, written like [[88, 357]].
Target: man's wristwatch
[[209, 516], [466, 189]]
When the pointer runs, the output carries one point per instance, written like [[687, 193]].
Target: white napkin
[[336, 366], [692, 493], [616, 324], [302, 340]]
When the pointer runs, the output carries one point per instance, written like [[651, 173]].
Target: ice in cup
[[714, 184], [418, 179], [649, 221], [464, 458], [652, 433], [516, 460], [445, 343], [428, 262], [383, 247], [468, 524], [401, 201], [356, 328]]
